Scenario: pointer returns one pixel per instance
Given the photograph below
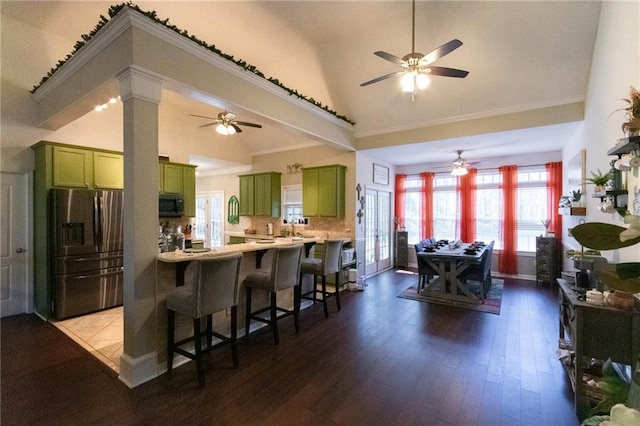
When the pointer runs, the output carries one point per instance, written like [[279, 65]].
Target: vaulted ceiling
[[521, 57]]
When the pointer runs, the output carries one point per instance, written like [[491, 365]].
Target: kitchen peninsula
[[172, 270]]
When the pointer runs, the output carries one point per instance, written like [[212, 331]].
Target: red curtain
[[467, 196], [508, 259], [554, 192], [400, 200], [426, 201]]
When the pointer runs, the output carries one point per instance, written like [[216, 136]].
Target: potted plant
[[631, 127], [599, 180], [575, 198]]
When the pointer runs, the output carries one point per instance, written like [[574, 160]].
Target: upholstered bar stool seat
[[284, 273], [214, 288], [330, 263]]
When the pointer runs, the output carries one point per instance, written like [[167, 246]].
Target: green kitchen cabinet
[[108, 170], [189, 190], [246, 207], [72, 167], [171, 178], [323, 191], [260, 194]]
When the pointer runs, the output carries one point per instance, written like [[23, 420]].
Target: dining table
[[451, 261]]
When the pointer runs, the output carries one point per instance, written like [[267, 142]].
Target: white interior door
[[378, 235], [14, 257]]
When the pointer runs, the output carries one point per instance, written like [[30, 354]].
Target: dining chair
[[214, 288], [425, 271], [481, 272], [330, 263], [284, 273]]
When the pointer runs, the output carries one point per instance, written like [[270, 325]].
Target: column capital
[[136, 82]]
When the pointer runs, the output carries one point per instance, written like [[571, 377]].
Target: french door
[[378, 235], [209, 225]]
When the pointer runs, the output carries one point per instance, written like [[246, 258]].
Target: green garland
[[114, 10]]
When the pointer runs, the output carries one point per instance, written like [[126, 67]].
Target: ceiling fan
[[416, 66], [227, 123], [460, 165]]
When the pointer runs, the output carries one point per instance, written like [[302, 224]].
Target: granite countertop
[[183, 256]]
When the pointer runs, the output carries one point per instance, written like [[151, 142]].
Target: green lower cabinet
[[323, 191]]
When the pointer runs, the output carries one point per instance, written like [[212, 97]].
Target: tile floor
[[101, 334]]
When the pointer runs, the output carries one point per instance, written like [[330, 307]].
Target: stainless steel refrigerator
[[87, 251]]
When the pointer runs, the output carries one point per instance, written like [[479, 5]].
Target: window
[[531, 205], [413, 206], [292, 204], [488, 201], [209, 216]]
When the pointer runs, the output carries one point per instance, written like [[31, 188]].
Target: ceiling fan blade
[[438, 53], [209, 124], [447, 72], [238, 129], [202, 116], [389, 57], [384, 77], [244, 123]]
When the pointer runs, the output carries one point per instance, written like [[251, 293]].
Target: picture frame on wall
[[380, 174]]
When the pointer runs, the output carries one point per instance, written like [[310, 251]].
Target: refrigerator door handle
[[97, 220], [84, 259], [103, 274]]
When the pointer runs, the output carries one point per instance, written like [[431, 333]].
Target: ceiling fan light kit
[[416, 66], [460, 166], [226, 123]]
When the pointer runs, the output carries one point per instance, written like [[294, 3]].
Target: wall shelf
[[572, 211], [625, 146]]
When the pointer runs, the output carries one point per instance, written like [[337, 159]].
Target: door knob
[[20, 250]]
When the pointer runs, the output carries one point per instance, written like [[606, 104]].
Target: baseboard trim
[[136, 371]]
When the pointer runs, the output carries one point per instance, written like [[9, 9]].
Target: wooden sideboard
[[598, 332]]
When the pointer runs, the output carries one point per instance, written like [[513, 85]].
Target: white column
[[140, 95]]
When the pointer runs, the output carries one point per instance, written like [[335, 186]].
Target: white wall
[[615, 67]]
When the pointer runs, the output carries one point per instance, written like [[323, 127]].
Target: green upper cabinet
[[171, 178], [108, 170], [85, 168], [247, 207], [260, 194], [323, 191], [189, 190], [72, 167]]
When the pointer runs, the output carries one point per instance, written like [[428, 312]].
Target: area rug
[[491, 303]]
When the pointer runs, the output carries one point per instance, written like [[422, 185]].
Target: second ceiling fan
[[226, 123], [416, 67]]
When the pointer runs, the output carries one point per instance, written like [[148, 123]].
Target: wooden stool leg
[[338, 289], [197, 343], [274, 318], [170, 338], [247, 321], [234, 336], [324, 296]]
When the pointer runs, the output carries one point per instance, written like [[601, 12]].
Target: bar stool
[[214, 288], [329, 263], [284, 273]]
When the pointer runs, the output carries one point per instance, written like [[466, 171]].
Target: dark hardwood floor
[[382, 360]]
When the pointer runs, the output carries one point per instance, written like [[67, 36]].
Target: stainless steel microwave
[[171, 205]]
